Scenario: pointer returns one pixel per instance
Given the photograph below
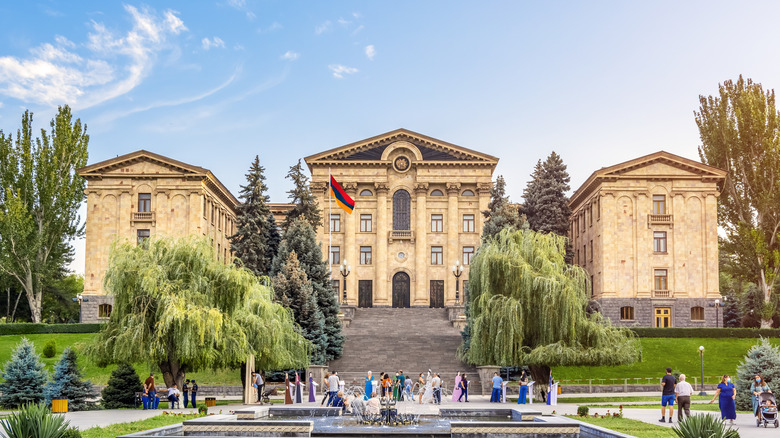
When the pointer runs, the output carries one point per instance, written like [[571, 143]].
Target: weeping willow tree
[[177, 305], [527, 307]]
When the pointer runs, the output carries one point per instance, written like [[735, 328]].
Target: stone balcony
[[662, 294], [400, 235], [660, 219], [143, 216]]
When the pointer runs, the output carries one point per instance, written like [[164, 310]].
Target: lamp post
[[344, 269], [79, 299], [457, 271], [701, 361]]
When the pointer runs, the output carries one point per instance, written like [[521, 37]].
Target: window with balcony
[[659, 204], [335, 255], [144, 202], [365, 223], [143, 236], [659, 242], [437, 255], [468, 223], [697, 313], [335, 223], [468, 253], [660, 283], [437, 223], [627, 313], [365, 255]]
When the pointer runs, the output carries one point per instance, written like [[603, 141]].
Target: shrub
[[122, 386], [50, 349], [71, 432], [762, 358], [39, 328], [66, 383], [582, 411], [703, 425], [23, 377], [34, 420], [203, 410]]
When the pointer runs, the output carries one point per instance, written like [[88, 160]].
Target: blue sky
[[214, 83]]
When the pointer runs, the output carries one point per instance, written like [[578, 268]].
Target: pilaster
[[351, 252], [453, 241], [419, 297], [381, 244]]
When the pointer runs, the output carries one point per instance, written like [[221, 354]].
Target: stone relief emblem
[[402, 164]]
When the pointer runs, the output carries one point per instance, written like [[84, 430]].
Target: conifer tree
[[731, 314], [122, 386], [294, 290], [301, 238], [66, 383], [500, 213], [272, 240], [529, 206], [23, 377], [762, 358], [303, 198], [547, 205], [251, 243]]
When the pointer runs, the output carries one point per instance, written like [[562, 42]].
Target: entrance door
[[365, 293], [663, 317], [437, 293], [401, 290]]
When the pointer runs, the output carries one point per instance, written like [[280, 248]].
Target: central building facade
[[418, 204]]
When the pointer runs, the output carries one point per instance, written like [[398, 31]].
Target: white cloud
[[240, 5], [340, 70], [215, 43], [322, 28], [370, 52], [105, 67], [290, 55], [358, 29], [344, 22]]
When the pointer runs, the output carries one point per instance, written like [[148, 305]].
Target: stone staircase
[[410, 339]]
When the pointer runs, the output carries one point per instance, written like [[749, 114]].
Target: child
[[145, 398]]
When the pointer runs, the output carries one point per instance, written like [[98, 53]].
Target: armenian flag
[[342, 199]]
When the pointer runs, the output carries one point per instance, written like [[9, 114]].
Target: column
[[380, 284], [125, 231], [419, 296], [351, 252], [453, 242]]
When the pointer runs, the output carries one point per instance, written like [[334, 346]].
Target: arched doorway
[[402, 208], [401, 290]]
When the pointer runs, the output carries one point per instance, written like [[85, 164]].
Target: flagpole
[[330, 234]]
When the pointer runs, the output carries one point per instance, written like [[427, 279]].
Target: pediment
[[142, 163], [373, 149], [659, 165]]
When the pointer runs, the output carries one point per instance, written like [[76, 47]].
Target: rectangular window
[[627, 313], [219, 250], [334, 284], [591, 286], [591, 250], [590, 214], [437, 255], [144, 202], [468, 253], [104, 311], [659, 204], [143, 236], [697, 313], [205, 207], [468, 223], [365, 223], [335, 223], [213, 213], [577, 259], [660, 280], [335, 255], [584, 254], [598, 208], [365, 255], [437, 223], [659, 241]]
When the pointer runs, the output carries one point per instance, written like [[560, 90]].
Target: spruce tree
[[66, 383], [731, 313], [122, 386], [303, 198], [250, 244], [762, 358], [550, 205], [529, 206], [301, 238], [500, 213], [23, 377], [294, 290], [272, 240]]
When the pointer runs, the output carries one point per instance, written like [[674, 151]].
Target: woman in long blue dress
[[726, 394], [369, 387]]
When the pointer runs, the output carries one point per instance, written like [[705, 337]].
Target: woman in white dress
[[427, 392]]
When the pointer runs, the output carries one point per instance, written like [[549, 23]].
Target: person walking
[[333, 387], [456, 389], [464, 388], [683, 392], [149, 382], [185, 390], [260, 385], [325, 387], [436, 383], [521, 399], [756, 388], [667, 394], [421, 383], [726, 395], [495, 397]]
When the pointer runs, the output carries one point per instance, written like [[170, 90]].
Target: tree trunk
[[173, 373], [18, 297], [33, 297], [541, 375], [766, 319]]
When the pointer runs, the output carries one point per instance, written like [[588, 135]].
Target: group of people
[[151, 400], [726, 394]]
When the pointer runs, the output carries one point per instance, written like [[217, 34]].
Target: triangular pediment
[[659, 165], [142, 163], [373, 149]]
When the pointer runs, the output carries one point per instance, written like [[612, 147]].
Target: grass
[[118, 429], [631, 427], [694, 407], [619, 400]]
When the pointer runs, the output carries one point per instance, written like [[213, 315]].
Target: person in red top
[[149, 382]]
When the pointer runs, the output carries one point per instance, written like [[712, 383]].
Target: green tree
[[58, 304], [178, 306], [301, 238], [122, 386], [67, 383], [546, 205], [39, 201], [528, 308], [740, 133], [762, 358], [500, 213], [294, 290], [251, 244], [23, 377], [304, 200]]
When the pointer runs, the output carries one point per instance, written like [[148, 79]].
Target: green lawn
[[601, 409], [721, 356], [118, 429], [631, 427], [619, 400]]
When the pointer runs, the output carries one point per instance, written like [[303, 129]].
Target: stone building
[[646, 231], [418, 203], [142, 194]]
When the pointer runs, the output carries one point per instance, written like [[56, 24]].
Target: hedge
[[33, 329], [704, 332]]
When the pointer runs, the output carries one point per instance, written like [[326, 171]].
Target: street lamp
[[344, 269], [701, 361], [457, 271], [718, 304], [79, 299]]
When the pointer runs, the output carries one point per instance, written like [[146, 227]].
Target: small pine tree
[[762, 358], [250, 244], [122, 386], [731, 314], [304, 200], [294, 291], [500, 213], [66, 383], [23, 377]]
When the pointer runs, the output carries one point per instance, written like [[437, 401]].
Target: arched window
[[366, 192], [104, 310], [467, 193], [627, 313], [402, 210], [697, 313], [437, 192]]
